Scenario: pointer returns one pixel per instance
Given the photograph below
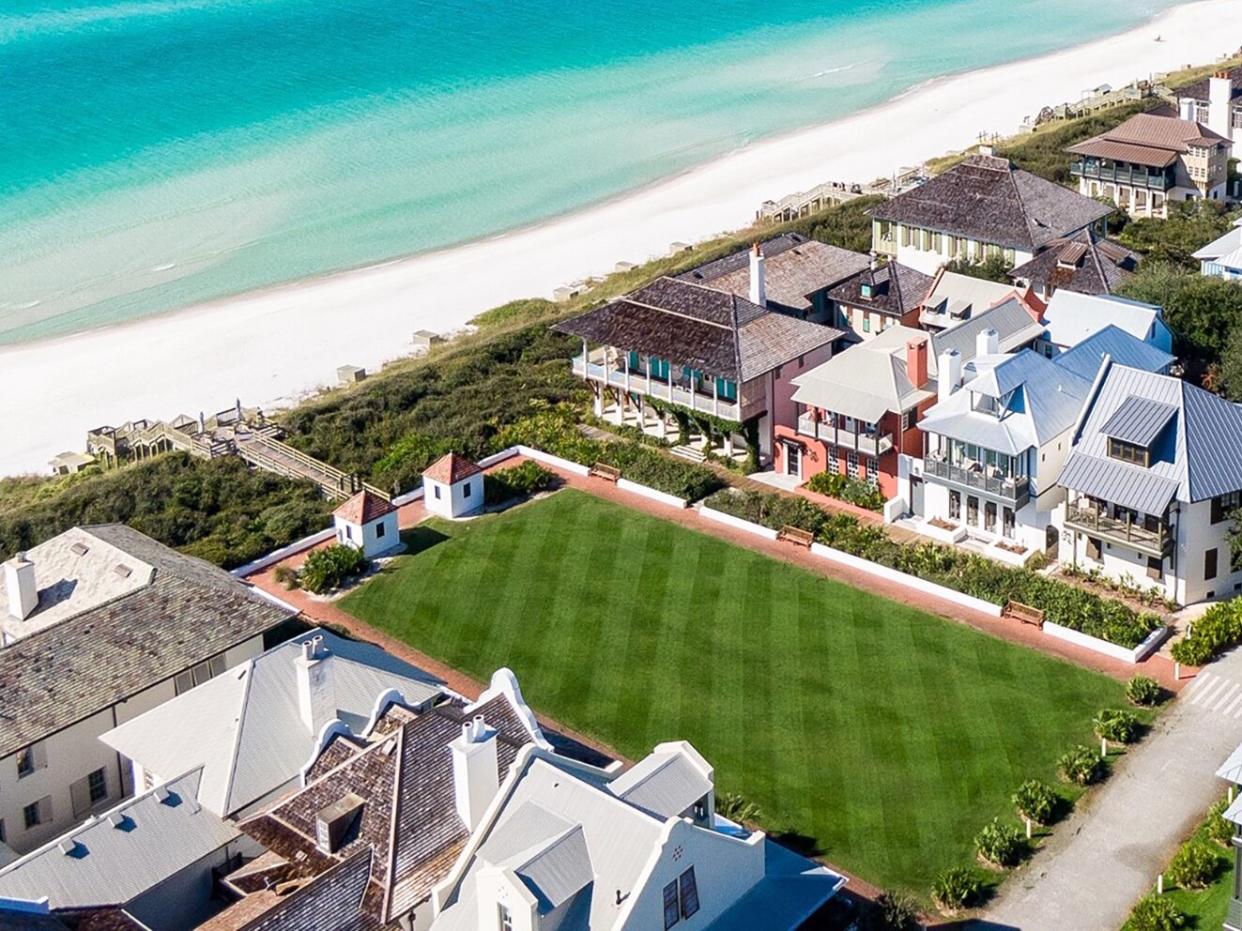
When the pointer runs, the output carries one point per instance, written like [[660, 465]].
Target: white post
[[1177, 672], [1103, 749], [1028, 828], [716, 397], [649, 374], [1160, 884], [586, 360]]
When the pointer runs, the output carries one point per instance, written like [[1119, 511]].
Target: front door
[[916, 495], [793, 460]]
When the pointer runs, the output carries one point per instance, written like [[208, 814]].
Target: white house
[[117, 625], [1222, 258], [1215, 101], [982, 208], [367, 522], [1151, 486], [1071, 317], [453, 487]]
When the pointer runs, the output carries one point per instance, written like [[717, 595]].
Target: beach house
[[877, 298], [1071, 318], [1222, 258], [674, 344], [1215, 101], [788, 273], [858, 412], [1149, 161], [1084, 262], [996, 440], [953, 298], [1152, 483], [983, 208], [102, 624]]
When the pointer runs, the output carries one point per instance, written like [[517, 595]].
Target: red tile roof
[[363, 508], [451, 468]]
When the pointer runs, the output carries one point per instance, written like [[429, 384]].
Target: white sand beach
[[269, 348]]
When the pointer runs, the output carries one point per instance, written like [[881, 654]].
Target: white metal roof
[[1071, 317], [1218, 248], [866, 380], [244, 727], [667, 781], [123, 853]]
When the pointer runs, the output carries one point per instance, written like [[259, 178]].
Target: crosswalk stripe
[[1200, 683], [1224, 696], [1233, 705], [1205, 693]]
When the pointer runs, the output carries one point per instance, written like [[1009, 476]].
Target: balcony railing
[[1156, 181], [872, 444], [680, 392], [1153, 542], [1014, 491]]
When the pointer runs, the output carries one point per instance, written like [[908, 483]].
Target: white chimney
[[948, 374], [316, 690], [758, 293], [19, 583], [987, 343], [1220, 103], [987, 150], [476, 777], [1186, 108]]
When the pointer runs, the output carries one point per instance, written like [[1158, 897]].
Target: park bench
[[606, 472], [1024, 613], [796, 535]]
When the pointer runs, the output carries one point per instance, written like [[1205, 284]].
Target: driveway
[[1106, 856]]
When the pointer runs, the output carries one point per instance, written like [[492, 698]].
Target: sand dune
[[270, 347]]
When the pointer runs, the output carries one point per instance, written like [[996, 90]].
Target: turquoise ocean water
[[157, 153]]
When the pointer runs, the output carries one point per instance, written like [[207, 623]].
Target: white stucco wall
[[453, 501], [373, 538]]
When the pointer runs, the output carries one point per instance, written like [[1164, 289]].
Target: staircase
[[688, 452]]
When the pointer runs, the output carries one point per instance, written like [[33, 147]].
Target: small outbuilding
[[368, 522], [453, 487]]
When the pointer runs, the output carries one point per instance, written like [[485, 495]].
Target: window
[[866, 319], [1223, 506], [672, 908], [88, 792], [4, 838], [989, 516], [465, 489], [851, 463], [689, 893], [183, 682], [37, 813], [379, 530], [972, 511], [1007, 523], [1209, 565], [955, 505], [907, 420], [32, 758], [349, 532], [436, 490], [504, 918], [1128, 452], [1093, 548], [97, 782]]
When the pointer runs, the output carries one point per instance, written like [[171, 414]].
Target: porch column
[[597, 392], [586, 360], [715, 397], [625, 373], [728, 445]]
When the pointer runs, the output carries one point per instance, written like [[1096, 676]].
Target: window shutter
[[689, 893], [215, 665], [79, 793], [39, 753], [183, 682], [671, 913]]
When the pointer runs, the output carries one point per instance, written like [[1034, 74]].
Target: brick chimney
[[758, 293], [19, 585], [916, 361]]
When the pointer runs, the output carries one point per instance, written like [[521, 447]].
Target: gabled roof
[[189, 612], [244, 727], [1013, 323], [1043, 400], [366, 506], [123, 853], [989, 200], [954, 296], [1198, 454], [896, 289], [1086, 358], [1148, 139], [720, 334], [666, 782], [1071, 318], [1083, 262], [1138, 420], [867, 380], [794, 269], [1226, 245], [450, 469]]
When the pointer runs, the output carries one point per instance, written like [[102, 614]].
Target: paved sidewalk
[[1107, 855]]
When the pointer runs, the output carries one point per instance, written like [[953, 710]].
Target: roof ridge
[[675, 313], [394, 819], [241, 723]]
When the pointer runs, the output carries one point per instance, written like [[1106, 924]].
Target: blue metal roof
[[1112, 341], [1138, 420]]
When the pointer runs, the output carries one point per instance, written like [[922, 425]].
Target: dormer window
[[985, 404], [1129, 452], [866, 290]]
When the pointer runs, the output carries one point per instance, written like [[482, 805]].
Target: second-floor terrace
[[1149, 534], [1111, 172], [972, 468], [845, 432]]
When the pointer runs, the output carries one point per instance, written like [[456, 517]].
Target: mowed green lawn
[[883, 735]]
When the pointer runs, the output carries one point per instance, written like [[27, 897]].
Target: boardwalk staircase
[[261, 447]]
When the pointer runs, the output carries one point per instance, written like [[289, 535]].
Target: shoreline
[[274, 346]]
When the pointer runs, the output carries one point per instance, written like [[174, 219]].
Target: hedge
[[556, 431], [969, 573], [848, 489], [518, 481], [1217, 630]]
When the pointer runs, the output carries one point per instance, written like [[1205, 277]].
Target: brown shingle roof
[[191, 611], [1081, 263], [989, 200], [720, 334], [364, 507], [895, 289], [1148, 139], [451, 468]]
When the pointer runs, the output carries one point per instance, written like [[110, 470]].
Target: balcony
[[1117, 174], [1015, 492], [1157, 541], [680, 392], [871, 444]]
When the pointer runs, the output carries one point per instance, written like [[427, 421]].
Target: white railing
[[659, 388]]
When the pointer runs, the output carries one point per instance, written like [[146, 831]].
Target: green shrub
[[1036, 801], [518, 481], [285, 575], [1117, 725], [956, 887], [1000, 844], [737, 808], [1156, 913], [327, 568], [1144, 690], [1194, 866], [1216, 827], [894, 911], [1217, 630], [1081, 766], [848, 489]]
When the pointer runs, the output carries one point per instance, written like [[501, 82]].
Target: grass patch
[[880, 736]]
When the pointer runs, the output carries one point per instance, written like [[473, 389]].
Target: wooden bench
[[1024, 613], [606, 472], [796, 536]]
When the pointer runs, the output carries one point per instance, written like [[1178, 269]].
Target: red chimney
[[916, 362]]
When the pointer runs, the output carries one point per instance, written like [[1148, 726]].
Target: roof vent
[[80, 549], [68, 846], [123, 570], [121, 821], [161, 794], [335, 821]]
